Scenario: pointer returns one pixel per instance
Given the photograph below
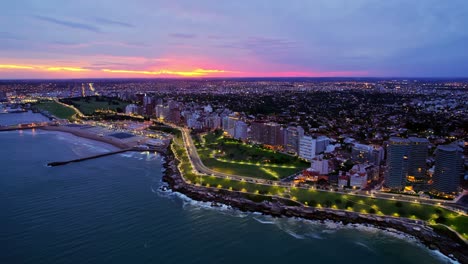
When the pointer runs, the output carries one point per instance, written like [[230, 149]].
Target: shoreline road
[[199, 167]]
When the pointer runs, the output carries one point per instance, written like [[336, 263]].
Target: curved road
[[198, 165]]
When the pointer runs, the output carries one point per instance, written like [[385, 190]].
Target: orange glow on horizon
[[67, 69], [11, 66], [41, 68], [82, 69], [194, 73]]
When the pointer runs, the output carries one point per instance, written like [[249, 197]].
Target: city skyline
[[239, 39]]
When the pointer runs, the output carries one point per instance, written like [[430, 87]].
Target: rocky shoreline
[[449, 245]]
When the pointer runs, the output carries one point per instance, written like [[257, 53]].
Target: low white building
[[320, 165], [358, 176]]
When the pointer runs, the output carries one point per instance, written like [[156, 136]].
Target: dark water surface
[[109, 210], [21, 118]]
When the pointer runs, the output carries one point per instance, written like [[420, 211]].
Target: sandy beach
[[86, 134]]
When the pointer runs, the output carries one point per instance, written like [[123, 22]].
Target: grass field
[[432, 214], [89, 105], [55, 109], [234, 157]]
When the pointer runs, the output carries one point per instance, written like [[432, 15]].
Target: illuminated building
[[406, 161], [417, 158], [267, 133], [397, 162], [448, 168], [292, 135]]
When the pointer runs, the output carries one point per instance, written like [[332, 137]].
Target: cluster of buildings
[[403, 162], [407, 165]]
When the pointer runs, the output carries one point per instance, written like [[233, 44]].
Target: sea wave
[[300, 228]]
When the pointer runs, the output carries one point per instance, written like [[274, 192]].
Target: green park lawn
[[432, 214], [234, 157], [89, 105], [55, 109]]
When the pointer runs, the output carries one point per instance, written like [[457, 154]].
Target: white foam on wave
[[261, 221], [361, 244], [300, 228], [295, 235]]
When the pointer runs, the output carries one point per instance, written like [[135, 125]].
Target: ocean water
[[21, 118], [111, 210]]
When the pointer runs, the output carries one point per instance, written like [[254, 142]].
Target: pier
[[60, 163]]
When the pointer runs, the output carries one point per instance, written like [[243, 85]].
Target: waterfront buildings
[[267, 133], [240, 130], [321, 145], [406, 161], [417, 159], [292, 136], [448, 168], [397, 162], [307, 146], [357, 176]]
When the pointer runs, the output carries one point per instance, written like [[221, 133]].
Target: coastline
[[452, 247], [279, 207]]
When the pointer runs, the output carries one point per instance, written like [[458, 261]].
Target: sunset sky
[[242, 38]]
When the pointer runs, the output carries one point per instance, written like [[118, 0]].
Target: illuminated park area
[[231, 156], [56, 109], [437, 217], [91, 104]]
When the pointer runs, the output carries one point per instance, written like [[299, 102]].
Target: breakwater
[[59, 163]]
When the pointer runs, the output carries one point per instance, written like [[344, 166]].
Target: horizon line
[[238, 77]]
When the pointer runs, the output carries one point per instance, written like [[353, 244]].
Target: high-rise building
[[267, 133], [406, 160], [397, 162], [448, 168], [240, 130], [417, 167], [229, 123], [322, 143], [292, 136], [307, 148]]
